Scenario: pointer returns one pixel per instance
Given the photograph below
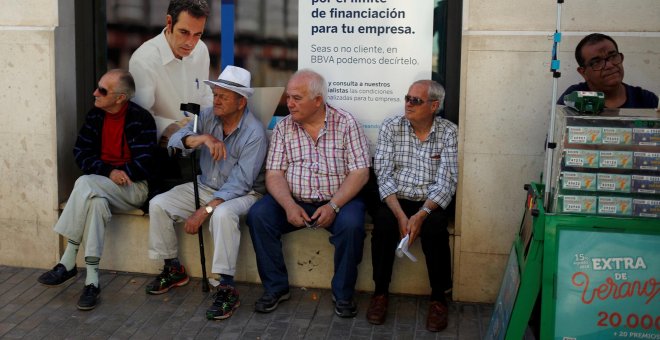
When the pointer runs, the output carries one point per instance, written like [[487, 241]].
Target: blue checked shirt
[[416, 170]]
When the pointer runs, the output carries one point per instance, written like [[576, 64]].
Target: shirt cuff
[[441, 199], [386, 190]]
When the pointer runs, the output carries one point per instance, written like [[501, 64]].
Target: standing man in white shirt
[[170, 68]]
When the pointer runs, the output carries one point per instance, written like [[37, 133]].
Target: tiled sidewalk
[[32, 311]]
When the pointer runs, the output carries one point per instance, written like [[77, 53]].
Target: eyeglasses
[[598, 64], [415, 101], [104, 92]]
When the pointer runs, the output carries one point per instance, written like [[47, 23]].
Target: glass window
[[265, 39]]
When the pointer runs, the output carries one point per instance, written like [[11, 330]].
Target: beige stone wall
[[28, 164], [506, 92]]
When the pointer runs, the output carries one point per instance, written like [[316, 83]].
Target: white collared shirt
[[163, 82]]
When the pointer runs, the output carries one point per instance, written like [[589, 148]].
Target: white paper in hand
[[402, 249]]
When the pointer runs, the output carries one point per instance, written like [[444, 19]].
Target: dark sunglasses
[[414, 101], [104, 92]]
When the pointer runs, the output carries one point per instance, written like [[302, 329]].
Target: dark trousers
[[267, 222], [435, 245]]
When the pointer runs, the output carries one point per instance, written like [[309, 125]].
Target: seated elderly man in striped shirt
[[417, 172], [316, 165]]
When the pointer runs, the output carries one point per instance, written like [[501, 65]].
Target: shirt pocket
[[295, 154], [430, 156], [232, 155], [227, 165], [333, 160]]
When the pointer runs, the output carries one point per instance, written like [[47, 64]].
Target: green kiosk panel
[[592, 251]]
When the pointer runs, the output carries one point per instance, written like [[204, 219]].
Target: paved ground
[[32, 311]]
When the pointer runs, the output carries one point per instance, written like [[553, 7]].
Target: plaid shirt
[[416, 170], [316, 169]]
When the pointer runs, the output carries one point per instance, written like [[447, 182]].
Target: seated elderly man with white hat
[[233, 144]]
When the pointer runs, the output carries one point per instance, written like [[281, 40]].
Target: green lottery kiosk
[[586, 261]]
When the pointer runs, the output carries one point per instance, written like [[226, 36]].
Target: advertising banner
[[369, 52], [607, 286]]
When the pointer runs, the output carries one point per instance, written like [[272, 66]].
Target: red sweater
[[114, 148]]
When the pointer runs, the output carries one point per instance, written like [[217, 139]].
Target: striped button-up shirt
[[314, 169], [416, 170]]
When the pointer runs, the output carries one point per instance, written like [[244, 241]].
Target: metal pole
[[550, 147], [227, 33]]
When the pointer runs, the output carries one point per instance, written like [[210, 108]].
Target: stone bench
[[308, 255]]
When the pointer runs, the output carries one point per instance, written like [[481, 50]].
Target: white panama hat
[[235, 79]]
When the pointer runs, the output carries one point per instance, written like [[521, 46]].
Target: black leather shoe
[[57, 276], [268, 302], [89, 297]]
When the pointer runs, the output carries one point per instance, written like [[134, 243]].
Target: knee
[[83, 184], [351, 226], [224, 218], [252, 214], [221, 211], [351, 218], [84, 180], [156, 204], [253, 219], [389, 230], [261, 209]]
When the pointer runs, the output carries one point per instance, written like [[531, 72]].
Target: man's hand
[[403, 225], [195, 220], [415, 225], [324, 216], [216, 147], [120, 177], [296, 216]]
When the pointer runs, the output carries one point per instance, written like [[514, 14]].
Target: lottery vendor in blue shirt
[[233, 146], [417, 172], [601, 65]]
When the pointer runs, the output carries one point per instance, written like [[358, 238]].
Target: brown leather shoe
[[437, 318], [377, 309]]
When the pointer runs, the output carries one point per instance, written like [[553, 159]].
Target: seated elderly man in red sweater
[[114, 150]]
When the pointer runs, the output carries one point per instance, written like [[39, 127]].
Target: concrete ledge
[[308, 254]]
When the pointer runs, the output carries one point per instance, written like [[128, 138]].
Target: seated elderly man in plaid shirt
[[417, 172], [317, 163]]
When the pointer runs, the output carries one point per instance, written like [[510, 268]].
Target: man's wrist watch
[[209, 209], [334, 206], [426, 210]]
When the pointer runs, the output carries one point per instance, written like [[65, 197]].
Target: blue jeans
[[267, 221]]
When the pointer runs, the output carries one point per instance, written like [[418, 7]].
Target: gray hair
[[125, 83], [436, 91], [316, 84]]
